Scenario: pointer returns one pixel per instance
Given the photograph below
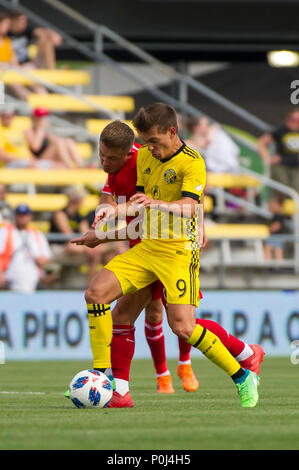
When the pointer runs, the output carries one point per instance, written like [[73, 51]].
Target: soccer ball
[[90, 389]]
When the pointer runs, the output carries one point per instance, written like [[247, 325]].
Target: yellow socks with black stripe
[[100, 333], [211, 346]]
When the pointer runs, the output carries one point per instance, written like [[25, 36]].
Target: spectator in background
[[48, 148], [214, 144], [284, 163], [24, 252], [13, 151], [69, 221], [8, 58], [46, 41], [277, 225]]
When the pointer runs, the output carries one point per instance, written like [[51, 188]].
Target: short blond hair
[[118, 135]]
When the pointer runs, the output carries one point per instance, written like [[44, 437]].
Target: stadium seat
[[66, 103], [57, 77], [49, 202], [289, 207], [95, 126], [237, 231], [50, 177], [226, 181], [42, 225]]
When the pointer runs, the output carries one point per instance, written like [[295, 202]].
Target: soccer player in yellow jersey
[[170, 181]]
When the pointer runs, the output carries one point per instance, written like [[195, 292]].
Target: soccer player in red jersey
[[121, 168]]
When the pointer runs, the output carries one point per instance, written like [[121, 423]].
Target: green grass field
[[35, 415]]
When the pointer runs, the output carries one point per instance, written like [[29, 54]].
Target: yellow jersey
[[180, 175]]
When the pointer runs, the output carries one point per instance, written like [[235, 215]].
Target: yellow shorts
[[143, 264]]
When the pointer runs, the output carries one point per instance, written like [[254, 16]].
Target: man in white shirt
[[25, 251]]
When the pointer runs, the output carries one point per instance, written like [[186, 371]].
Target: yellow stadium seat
[[208, 204], [49, 202], [226, 180], [49, 177], [237, 231], [95, 126], [42, 225], [84, 149], [56, 77], [289, 207], [67, 103]]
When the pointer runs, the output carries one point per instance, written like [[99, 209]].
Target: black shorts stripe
[[140, 189], [192, 272], [200, 338]]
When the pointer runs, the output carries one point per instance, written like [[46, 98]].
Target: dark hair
[[293, 110], [118, 135], [16, 13], [158, 114], [4, 15]]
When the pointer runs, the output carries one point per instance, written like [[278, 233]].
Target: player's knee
[[153, 315], [96, 295], [180, 329]]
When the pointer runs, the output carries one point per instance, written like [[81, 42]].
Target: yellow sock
[[211, 346], [100, 333]]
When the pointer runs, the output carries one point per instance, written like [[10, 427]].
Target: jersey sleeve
[[106, 189], [194, 179], [140, 180]]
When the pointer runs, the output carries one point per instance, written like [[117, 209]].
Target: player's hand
[[103, 214], [143, 200], [88, 239]]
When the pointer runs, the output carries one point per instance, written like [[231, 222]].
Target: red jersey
[[123, 183]]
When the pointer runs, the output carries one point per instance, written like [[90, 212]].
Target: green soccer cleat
[[67, 394], [247, 390]]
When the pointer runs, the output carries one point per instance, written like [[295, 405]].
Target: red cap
[[41, 112]]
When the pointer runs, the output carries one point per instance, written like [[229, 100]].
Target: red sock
[[184, 350], [155, 339], [233, 344], [122, 350]]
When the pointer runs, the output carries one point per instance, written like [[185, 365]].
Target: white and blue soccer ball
[[90, 389]]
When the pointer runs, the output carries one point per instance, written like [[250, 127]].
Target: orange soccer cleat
[[119, 401], [253, 363], [164, 384], [189, 381]]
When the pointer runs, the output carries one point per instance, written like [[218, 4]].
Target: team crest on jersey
[[170, 176], [155, 192], [147, 171]]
